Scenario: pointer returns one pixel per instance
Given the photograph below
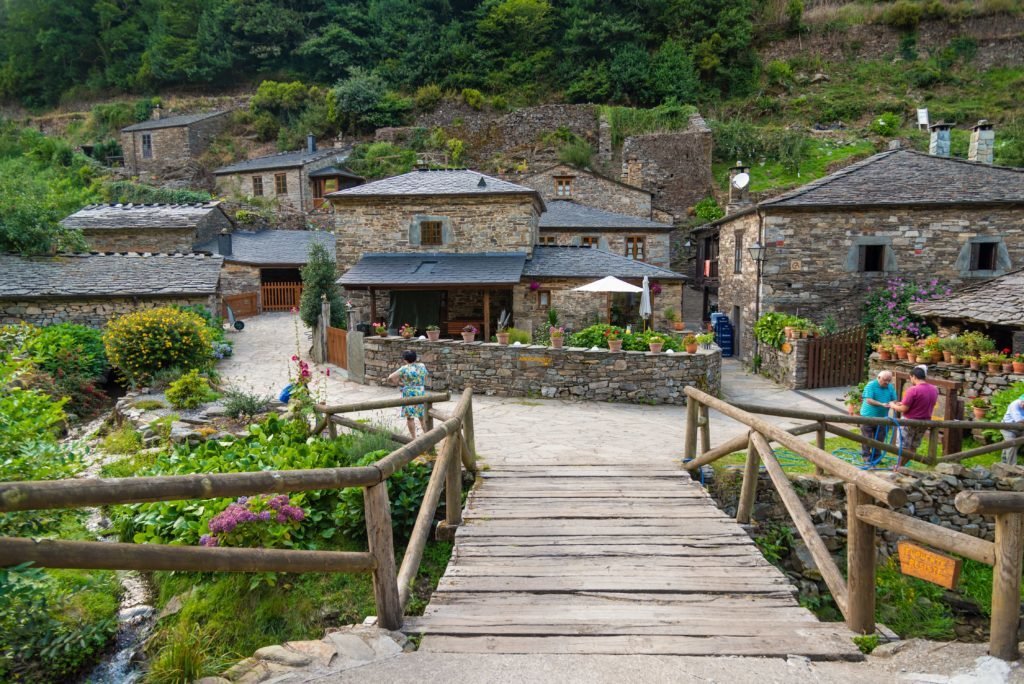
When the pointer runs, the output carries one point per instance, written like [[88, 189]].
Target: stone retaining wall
[[975, 383], [91, 312], [789, 369], [531, 370]]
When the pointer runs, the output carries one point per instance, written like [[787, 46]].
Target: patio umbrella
[[645, 302], [608, 284]]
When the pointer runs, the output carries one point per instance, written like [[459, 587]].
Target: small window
[[984, 256], [563, 186], [544, 299], [635, 248], [257, 186], [547, 240], [431, 233], [147, 146], [281, 183], [590, 241], [872, 258], [737, 252]]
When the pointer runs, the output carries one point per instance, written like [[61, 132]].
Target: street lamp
[[757, 253]]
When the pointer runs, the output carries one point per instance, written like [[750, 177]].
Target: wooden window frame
[[257, 186], [549, 240], [737, 252], [431, 229], [280, 183], [590, 241], [544, 299], [147, 145], [563, 186], [636, 247]]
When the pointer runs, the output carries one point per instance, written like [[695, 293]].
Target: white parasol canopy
[[608, 284], [645, 300]]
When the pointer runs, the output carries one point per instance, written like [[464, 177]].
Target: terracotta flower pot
[[614, 345], [975, 365], [946, 355], [502, 338], [995, 367], [852, 409], [468, 337], [677, 325], [383, 334], [954, 359], [691, 349], [1018, 367], [885, 355], [655, 347], [407, 336], [979, 413], [788, 330], [433, 335], [934, 356], [1008, 367], [557, 342], [911, 357], [901, 353]]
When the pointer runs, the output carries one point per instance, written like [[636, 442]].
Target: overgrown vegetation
[[318, 281], [143, 342]]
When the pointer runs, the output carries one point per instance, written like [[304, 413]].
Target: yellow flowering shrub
[[140, 343]]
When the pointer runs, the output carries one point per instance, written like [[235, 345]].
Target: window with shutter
[[547, 240], [281, 183], [635, 248], [147, 146], [590, 241], [431, 233], [257, 186], [563, 186], [737, 252]]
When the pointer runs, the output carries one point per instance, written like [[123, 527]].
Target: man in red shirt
[[918, 404]]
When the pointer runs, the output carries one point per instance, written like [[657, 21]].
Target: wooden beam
[[705, 429], [861, 439], [453, 485], [804, 525], [366, 427], [989, 503], [986, 449], [398, 458], [382, 548], [53, 553], [860, 565], [487, 316], [736, 444], [1006, 586], [748, 492], [928, 533], [690, 430], [392, 402], [373, 307], [800, 414]]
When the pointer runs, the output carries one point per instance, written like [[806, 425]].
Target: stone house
[[164, 148], [456, 247], [899, 213], [587, 187], [567, 223], [258, 260], [297, 181], [148, 227], [90, 289]]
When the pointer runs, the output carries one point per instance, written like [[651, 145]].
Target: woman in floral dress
[[412, 377]]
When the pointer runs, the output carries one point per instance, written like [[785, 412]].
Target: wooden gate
[[337, 347], [242, 305], [281, 296], [838, 359]]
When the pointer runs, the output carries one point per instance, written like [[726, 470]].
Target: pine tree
[[318, 278]]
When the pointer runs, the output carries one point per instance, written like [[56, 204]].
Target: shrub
[[263, 521], [141, 343], [405, 490], [427, 96], [247, 405], [69, 348], [125, 440], [578, 153], [998, 403], [707, 210], [905, 15], [596, 336], [318, 278], [887, 308], [518, 335], [886, 125], [472, 97], [189, 391]]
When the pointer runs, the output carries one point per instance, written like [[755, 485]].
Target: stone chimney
[[310, 143], [339, 142], [739, 188], [983, 142], [156, 113], [938, 146], [224, 243]]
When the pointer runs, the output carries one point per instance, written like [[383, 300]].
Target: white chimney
[[938, 146], [983, 142], [156, 113], [739, 188]]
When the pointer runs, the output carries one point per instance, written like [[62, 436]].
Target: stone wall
[[240, 279], [299, 195], [494, 369], [737, 290], [975, 383], [674, 166], [789, 370], [656, 242], [92, 312], [492, 223], [578, 310], [152, 240], [174, 149], [591, 190]]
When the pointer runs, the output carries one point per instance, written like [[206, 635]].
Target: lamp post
[[757, 253]]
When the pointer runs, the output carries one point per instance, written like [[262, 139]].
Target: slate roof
[[428, 182], [284, 247], [121, 216], [435, 269], [999, 301], [587, 262], [84, 276], [589, 172], [566, 214], [170, 122], [334, 171], [905, 177], [284, 160]]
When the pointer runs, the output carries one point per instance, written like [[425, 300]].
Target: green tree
[[318, 278]]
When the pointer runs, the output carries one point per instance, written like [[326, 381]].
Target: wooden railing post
[[705, 429], [748, 492], [690, 433], [860, 565], [1006, 586], [820, 442], [453, 487], [382, 548]]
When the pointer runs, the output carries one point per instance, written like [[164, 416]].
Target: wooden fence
[[392, 589], [337, 347], [838, 359], [243, 305], [855, 594], [281, 296]]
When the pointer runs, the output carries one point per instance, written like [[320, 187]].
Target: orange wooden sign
[[929, 565]]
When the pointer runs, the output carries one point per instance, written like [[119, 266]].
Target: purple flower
[[207, 540], [265, 515]]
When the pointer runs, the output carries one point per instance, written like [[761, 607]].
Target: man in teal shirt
[[878, 395]]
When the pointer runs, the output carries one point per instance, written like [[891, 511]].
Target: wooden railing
[[855, 593], [280, 296], [392, 588]]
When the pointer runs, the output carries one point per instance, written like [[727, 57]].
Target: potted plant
[[613, 336], [655, 343], [557, 335], [469, 333], [1007, 361], [433, 333], [884, 352], [974, 362], [979, 406], [706, 339], [381, 329], [690, 342], [1018, 363], [671, 317], [502, 335], [932, 349], [854, 398], [407, 331], [912, 352], [993, 362]]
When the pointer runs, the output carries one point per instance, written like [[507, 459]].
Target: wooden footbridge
[[598, 554]]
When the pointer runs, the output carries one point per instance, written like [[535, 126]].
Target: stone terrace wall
[[975, 383], [571, 373], [92, 312], [786, 369]]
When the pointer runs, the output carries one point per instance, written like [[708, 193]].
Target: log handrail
[[989, 503], [801, 414]]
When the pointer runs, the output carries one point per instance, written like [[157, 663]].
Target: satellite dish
[[740, 180]]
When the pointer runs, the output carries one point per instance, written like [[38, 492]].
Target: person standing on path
[[1014, 414], [878, 395], [918, 404], [412, 377]]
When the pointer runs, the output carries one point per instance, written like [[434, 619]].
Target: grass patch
[[130, 466], [124, 440], [822, 156], [149, 404], [627, 121]]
